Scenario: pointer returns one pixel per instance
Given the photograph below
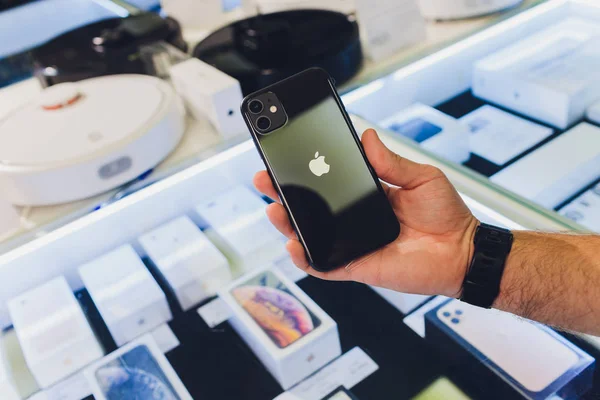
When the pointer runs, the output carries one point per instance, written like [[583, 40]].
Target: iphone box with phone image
[[128, 298], [286, 329], [433, 130], [242, 229], [191, 265], [551, 76], [54, 334], [521, 358]]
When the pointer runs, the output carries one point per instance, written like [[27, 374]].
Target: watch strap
[[481, 286]]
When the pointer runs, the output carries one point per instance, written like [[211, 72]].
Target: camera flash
[[273, 109]]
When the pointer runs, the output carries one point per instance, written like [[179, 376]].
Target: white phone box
[[53, 332], [128, 298], [238, 218], [585, 209], [8, 388], [499, 136], [558, 169], [522, 357], [210, 93], [138, 370], [286, 329], [194, 14], [190, 263], [433, 130], [551, 76], [593, 113]]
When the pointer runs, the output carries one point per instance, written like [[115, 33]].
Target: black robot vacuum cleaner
[[264, 49], [111, 46]]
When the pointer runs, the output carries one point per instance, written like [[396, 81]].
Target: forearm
[[554, 279]]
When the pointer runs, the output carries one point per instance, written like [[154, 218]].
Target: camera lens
[[263, 123], [255, 106]]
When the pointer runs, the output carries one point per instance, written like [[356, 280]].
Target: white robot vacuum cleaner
[[458, 9], [76, 140]]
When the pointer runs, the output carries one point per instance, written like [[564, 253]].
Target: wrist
[[466, 250]]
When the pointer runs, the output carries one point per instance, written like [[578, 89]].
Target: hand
[[435, 246]]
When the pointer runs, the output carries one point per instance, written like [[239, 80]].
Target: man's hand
[[436, 242]]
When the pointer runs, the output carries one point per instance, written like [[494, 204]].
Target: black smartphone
[[333, 197]]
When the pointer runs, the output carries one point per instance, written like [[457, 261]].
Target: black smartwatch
[[481, 286]]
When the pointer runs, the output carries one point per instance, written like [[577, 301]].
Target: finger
[[262, 183], [393, 168], [278, 217], [294, 247]]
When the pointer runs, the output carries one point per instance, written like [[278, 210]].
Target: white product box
[[192, 266], [520, 357], [194, 14], [128, 298], [53, 332], [593, 113], [499, 136], [432, 129], [404, 302], [585, 209], [8, 388], [288, 332], [210, 93], [552, 76], [558, 169], [138, 370], [239, 219], [389, 25]]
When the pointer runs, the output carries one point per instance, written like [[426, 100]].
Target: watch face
[[340, 393]]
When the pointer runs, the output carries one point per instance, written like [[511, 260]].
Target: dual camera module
[[266, 113]]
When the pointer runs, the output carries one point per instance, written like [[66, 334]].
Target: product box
[[499, 136], [517, 357], [593, 113], [243, 231], [288, 332], [191, 265], [556, 171], [585, 209], [128, 298], [551, 76], [210, 93], [8, 388], [53, 332], [138, 370], [433, 130]]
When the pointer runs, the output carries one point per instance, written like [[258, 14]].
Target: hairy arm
[[554, 279]]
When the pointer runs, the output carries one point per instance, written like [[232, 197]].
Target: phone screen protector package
[[518, 358], [551, 76]]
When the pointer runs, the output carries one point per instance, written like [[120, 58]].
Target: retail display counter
[[182, 289]]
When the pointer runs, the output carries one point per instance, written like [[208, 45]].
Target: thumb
[[392, 168]]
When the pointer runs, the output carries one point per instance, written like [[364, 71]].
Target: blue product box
[[507, 355]]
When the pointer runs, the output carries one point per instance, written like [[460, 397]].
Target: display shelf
[[202, 138], [209, 359], [444, 79]]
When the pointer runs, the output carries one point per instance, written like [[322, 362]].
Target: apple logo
[[318, 166]]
